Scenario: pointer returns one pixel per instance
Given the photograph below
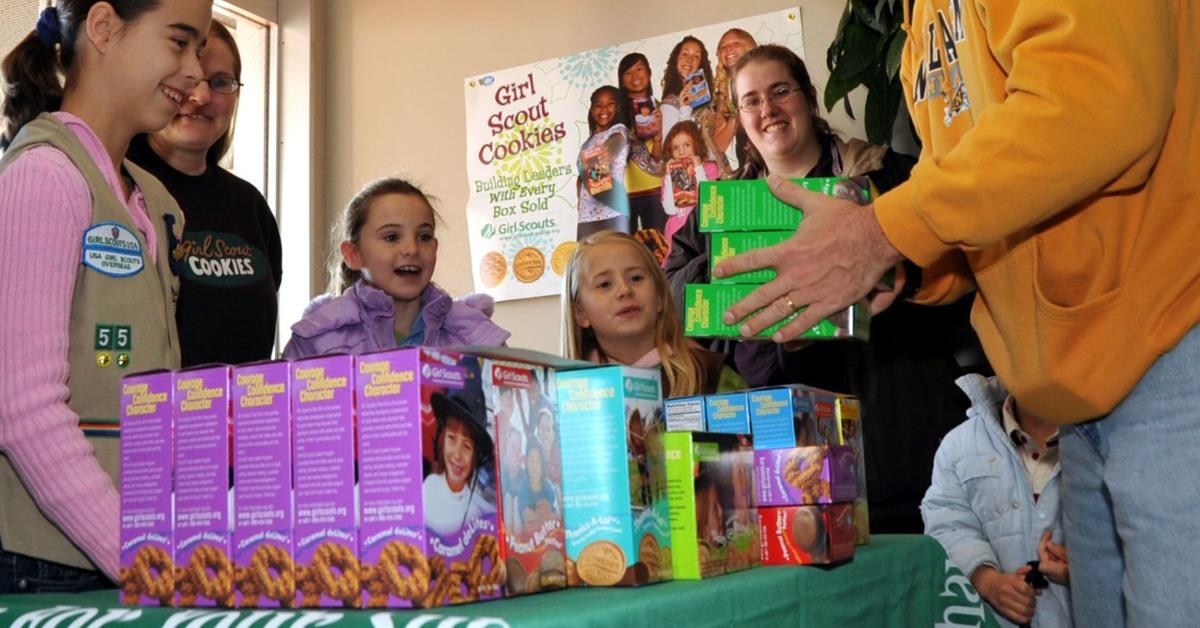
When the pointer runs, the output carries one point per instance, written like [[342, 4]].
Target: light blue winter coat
[[980, 506]]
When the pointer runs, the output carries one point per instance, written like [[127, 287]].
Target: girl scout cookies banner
[[612, 138]]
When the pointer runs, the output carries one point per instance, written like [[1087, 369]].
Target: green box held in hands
[[706, 303], [728, 244], [748, 205]]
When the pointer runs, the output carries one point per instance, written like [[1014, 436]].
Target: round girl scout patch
[[112, 249]]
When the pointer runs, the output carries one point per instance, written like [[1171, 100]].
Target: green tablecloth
[[897, 580]]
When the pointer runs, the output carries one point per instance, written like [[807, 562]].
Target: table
[[898, 580]]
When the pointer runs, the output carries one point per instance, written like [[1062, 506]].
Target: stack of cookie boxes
[[808, 473], [176, 530], [421, 477], [742, 215], [807, 465], [714, 522], [350, 474]]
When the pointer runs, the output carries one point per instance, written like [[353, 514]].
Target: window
[[250, 156], [17, 19]]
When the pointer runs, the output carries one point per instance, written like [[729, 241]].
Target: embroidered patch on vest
[[111, 249]]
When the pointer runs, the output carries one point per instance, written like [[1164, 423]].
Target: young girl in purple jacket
[[382, 294]]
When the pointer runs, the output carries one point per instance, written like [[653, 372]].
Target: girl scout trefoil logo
[[111, 249]]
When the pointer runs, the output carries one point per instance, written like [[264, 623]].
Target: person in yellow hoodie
[[1056, 179]]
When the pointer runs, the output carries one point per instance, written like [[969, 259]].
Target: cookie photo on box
[[807, 535], [797, 476]]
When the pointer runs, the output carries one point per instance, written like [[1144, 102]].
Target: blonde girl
[[616, 309], [734, 44]]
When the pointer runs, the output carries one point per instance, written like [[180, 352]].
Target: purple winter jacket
[[361, 319]]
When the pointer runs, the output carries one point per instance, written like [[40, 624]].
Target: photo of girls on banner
[[613, 138]]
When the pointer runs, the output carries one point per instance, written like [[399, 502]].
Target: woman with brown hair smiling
[[229, 259]]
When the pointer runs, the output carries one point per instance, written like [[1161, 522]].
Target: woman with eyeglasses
[[782, 129], [229, 259], [905, 374]]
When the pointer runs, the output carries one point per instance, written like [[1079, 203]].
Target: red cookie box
[[807, 535], [522, 406]]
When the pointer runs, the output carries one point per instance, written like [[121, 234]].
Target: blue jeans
[[23, 574], [1131, 501]]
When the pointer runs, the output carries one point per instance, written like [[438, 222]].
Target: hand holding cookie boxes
[[740, 216]]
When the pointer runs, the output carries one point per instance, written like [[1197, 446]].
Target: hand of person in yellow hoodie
[[834, 259]]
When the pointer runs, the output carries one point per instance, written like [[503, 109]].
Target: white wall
[[394, 99]]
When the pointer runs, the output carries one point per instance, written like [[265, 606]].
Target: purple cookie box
[[202, 479], [838, 468], [454, 374], [146, 466], [387, 386], [325, 491], [262, 466]]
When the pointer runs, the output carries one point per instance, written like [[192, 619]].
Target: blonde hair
[[721, 95], [680, 366]]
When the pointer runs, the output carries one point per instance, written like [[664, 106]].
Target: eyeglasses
[[223, 84], [754, 102]]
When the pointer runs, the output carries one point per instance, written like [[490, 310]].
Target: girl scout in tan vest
[[85, 244]]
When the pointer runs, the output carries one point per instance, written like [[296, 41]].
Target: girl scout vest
[[122, 322]]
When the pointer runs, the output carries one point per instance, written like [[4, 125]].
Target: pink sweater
[[45, 207]]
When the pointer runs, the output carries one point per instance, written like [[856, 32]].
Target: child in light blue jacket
[[994, 506]]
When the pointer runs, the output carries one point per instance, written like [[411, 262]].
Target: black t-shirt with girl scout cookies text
[[229, 263]]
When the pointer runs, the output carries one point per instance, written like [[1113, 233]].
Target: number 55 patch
[[114, 338]]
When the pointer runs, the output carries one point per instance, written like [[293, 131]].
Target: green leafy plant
[[866, 51]]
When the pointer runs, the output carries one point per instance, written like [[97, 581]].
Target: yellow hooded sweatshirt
[[1058, 177]]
